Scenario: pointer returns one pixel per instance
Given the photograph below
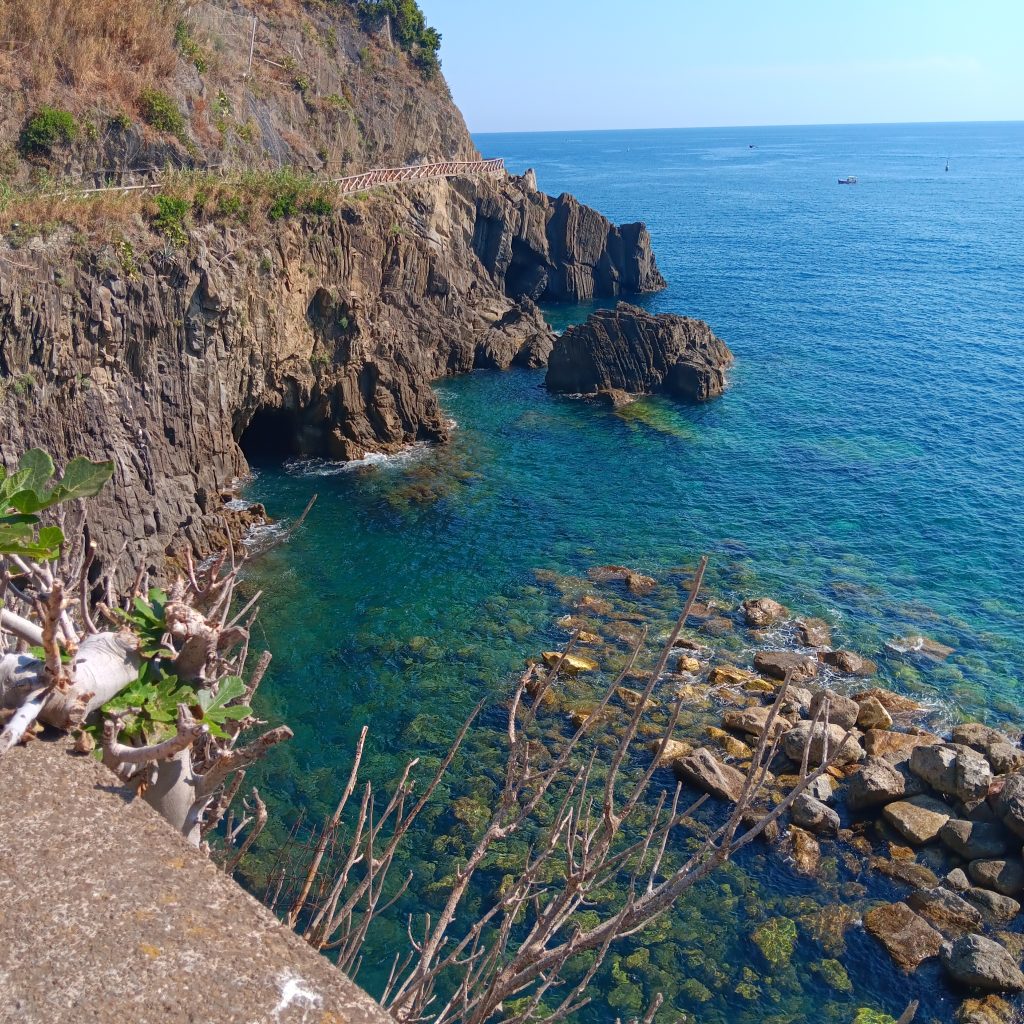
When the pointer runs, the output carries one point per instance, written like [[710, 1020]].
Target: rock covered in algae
[[776, 939]]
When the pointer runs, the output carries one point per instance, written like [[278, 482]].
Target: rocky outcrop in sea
[[627, 351]]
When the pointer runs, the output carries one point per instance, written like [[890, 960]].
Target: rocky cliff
[[627, 351], [175, 348]]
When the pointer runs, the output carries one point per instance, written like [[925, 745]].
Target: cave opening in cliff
[[271, 436]]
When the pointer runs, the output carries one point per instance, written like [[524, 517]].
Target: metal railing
[[416, 172]]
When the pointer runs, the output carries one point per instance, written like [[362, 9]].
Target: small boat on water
[[849, 180]]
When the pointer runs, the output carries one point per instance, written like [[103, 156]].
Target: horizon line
[[734, 127]]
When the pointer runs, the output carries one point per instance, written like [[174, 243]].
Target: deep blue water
[[865, 464]]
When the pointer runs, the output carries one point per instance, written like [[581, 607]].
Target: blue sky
[[578, 64]]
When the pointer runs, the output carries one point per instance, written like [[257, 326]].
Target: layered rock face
[[317, 337], [559, 250], [629, 350]]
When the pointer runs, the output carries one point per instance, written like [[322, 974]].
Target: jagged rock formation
[[629, 350]]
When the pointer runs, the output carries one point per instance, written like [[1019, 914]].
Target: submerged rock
[[907, 936], [571, 664], [813, 633], [990, 1010], [947, 911], [631, 350], [981, 963]]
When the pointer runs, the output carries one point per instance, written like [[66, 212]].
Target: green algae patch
[[776, 940], [658, 417], [833, 974], [867, 1016]]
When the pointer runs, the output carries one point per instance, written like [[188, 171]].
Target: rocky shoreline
[[936, 813]]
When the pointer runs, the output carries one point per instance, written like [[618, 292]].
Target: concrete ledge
[[108, 915]]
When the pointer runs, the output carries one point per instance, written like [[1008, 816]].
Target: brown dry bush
[[55, 49]]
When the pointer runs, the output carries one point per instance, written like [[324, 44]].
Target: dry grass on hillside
[[84, 48]]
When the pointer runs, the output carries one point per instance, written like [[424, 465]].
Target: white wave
[[325, 467]]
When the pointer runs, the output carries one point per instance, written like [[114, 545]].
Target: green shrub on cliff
[[410, 29], [160, 111], [47, 128], [169, 218]]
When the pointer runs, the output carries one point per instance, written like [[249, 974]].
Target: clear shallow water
[[865, 464]]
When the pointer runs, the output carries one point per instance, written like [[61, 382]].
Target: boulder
[[1005, 758], [797, 699], [953, 770], [980, 963], [994, 908], [753, 721], [687, 663], [841, 710], [974, 839], [813, 815], [674, 749], [1005, 877], [896, 746], [872, 715], [947, 911], [795, 739], [821, 788], [919, 820], [777, 663], [629, 349], [879, 782], [907, 936], [894, 703], [848, 662], [729, 675], [705, 772], [957, 880], [978, 736], [1009, 803], [813, 633], [763, 612]]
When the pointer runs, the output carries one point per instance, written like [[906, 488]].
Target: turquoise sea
[[866, 464]]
